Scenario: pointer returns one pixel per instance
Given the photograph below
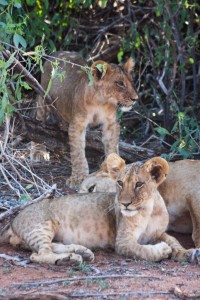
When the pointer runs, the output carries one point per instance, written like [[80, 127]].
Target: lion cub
[[78, 103], [132, 221], [180, 191]]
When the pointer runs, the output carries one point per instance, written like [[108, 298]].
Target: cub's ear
[[129, 65], [103, 167], [115, 164], [158, 168], [100, 69]]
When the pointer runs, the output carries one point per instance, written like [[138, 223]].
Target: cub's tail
[[5, 234]]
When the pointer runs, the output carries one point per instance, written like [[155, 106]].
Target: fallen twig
[[17, 261], [59, 281], [17, 208], [98, 295]]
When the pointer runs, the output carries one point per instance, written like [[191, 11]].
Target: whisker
[[110, 208]]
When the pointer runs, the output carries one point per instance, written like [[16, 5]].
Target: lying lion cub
[[181, 193], [133, 221], [78, 103]]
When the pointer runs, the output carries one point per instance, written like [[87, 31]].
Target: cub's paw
[[194, 256], [165, 250], [69, 260], [86, 254], [180, 254], [64, 259]]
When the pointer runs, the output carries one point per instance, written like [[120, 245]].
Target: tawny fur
[[180, 191], [79, 104], [133, 220]]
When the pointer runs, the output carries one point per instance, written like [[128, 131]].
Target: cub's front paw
[[86, 254], [69, 260], [166, 250], [180, 254]]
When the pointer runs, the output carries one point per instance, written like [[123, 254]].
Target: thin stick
[[8, 182], [15, 209], [137, 293], [113, 276], [15, 180], [30, 79]]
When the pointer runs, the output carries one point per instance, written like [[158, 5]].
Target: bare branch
[[17, 208]]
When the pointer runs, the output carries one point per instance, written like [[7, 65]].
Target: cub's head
[[115, 83], [136, 184], [103, 180]]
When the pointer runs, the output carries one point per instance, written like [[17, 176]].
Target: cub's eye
[[120, 183], [120, 84], [139, 184], [91, 189]]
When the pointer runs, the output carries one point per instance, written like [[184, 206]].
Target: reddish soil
[[109, 277]]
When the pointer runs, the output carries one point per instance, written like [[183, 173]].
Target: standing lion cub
[[133, 221], [79, 104]]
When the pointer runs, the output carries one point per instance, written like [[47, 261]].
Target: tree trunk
[[56, 140]]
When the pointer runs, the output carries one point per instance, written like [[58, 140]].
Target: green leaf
[[30, 2], [102, 68], [91, 79], [3, 2], [25, 85], [24, 197], [103, 3], [162, 131], [84, 69], [10, 61], [48, 87], [2, 24], [165, 156], [29, 186], [54, 73], [17, 4], [18, 39], [120, 55], [183, 152], [181, 116], [191, 60]]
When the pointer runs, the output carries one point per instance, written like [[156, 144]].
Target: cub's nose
[[126, 204], [135, 97]]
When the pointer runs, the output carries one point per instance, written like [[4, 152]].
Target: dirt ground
[[109, 277]]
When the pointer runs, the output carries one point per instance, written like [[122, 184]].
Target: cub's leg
[[45, 255], [110, 136], [131, 248], [39, 240], [86, 253], [194, 208], [179, 252], [80, 169]]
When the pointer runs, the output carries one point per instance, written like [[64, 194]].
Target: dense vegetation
[[163, 36]]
